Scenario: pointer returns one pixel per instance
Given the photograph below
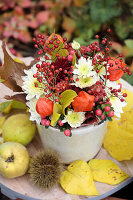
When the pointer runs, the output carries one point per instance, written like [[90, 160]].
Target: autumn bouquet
[[71, 86]]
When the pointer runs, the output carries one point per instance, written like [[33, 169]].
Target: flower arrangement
[[71, 85]]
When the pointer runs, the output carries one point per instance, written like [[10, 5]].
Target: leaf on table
[[106, 171], [118, 140], [57, 111], [17, 97], [78, 179], [67, 98], [12, 71], [7, 106]]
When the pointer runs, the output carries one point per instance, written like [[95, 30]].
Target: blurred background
[[21, 20], [81, 20]]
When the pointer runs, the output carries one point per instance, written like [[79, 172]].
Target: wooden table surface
[[21, 187]]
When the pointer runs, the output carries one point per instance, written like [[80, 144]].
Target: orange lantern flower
[[115, 71], [44, 107], [83, 102]]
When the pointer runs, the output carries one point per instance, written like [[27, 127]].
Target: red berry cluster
[[104, 111], [55, 68]]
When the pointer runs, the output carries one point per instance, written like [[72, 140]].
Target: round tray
[[22, 188]]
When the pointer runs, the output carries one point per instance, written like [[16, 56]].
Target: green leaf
[[57, 111], [67, 99], [6, 107]]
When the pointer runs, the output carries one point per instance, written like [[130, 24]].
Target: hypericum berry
[[109, 103], [39, 35], [71, 52], [108, 30], [56, 45], [67, 132], [47, 123], [60, 123], [36, 84], [60, 69], [110, 43], [120, 54], [103, 41], [52, 66], [34, 39], [64, 39], [111, 114], [71, 78], [98, 112], [56, 71], [43, 121], [63, 57], [70, 58], [97, 83], [124, 94], [102, 116], [58, 42], [97, 36], [36, 46], [56, 100], [121, 99], [107, 108]]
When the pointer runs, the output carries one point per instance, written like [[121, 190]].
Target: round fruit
[[14, 160], [18, 128]]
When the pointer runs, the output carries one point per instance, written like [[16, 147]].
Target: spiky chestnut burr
[[45, 169]]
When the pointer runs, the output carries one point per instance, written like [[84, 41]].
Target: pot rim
[[81, 130]]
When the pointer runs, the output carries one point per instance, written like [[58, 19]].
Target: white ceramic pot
[[83, 145]]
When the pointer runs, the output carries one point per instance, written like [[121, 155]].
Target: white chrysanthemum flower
[[29, 84], [75, 45], [84, 68], [32, 109], [74, 119], [85, 82], [117, 105]]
